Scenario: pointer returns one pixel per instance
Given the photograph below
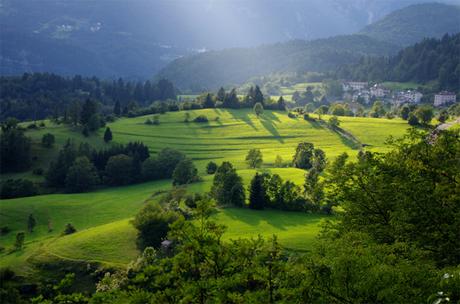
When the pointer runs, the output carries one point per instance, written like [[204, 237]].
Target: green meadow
[[102, 217]]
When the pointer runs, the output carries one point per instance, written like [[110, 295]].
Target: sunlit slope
[[101, 218]]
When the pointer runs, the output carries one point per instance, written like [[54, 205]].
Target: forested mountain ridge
[[234, 66], [210, 70], [411, 24], [430, 60]]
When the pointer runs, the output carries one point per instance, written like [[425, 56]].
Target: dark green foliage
[[424, 114], [57, 172], [85, 131], [443, 116], [404, 112], [82, 176], [221, 94], [413, 120], [69, 229], [48, 140], [151, 169], [119, 170], [31, 223], [19, 242], [15, 152], [108, 135], [303, 156], [211, 167], [89, 109], [231, 100], [430, 60], [408, 195], [333, 122], [200, 118], [281, 104], [12, 188], [117, 108], [257, 193], [38, 96], [227, 187], [185, 172], [208, 102], [313, 187], [411, 24], [254, 158], [152, 223]]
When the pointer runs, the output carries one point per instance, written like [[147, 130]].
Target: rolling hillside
[[103, 216]]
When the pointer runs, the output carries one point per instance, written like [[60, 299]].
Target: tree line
[[41, 95]]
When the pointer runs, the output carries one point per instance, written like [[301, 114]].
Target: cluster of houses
[[363, 92]]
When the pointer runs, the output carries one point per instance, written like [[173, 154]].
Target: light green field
[[102, 217]]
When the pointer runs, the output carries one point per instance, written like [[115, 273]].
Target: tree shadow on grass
[[282, 220], [268, 124], [244, 117]]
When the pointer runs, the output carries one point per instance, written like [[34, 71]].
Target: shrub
[[81, 176], [48, 140], [211, 167], [292, 115], [201, 118], [151, 169], [17, 188], [118, 170], [185, 173], [334, 122], [148, 121], [152, 223], [5, 230], [69, 229]]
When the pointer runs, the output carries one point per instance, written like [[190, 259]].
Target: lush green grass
[[400, 86], [102, 217]]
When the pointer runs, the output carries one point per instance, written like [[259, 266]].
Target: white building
[[410, 96], [378, 91], [354, 85], [444, 98]]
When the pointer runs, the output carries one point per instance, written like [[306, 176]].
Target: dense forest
[[430, 60], [38, 96], [411, 24]]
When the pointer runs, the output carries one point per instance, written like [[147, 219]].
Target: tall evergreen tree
[[208, 102], [107, 135], [221, 94], [257, 193], [89, 109], [117, 108]]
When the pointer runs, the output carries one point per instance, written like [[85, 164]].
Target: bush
[[48, 140], [148, 121], [69, 229], [17, 188], [152, 223], [185, 173], [334, 122], [151, 169], [118, 170], [292, 115], [81, 176], [168, 159], [201, 118], [5, 230], [211, 167]]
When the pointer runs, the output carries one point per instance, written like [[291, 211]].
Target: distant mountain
[[135, 39], [235, 66], [232, 66], [411, 24]]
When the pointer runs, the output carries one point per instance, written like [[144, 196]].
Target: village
[[364, 93]]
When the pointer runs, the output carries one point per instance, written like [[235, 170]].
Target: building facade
[[444, 98]]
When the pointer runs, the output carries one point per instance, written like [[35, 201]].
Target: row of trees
[[37, 96], [80, 169]]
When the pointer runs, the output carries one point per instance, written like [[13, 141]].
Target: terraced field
[[102, 217]]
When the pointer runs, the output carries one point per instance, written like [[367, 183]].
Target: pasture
[[102, 218]]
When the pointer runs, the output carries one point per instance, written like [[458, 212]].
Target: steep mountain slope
[[411, 24]]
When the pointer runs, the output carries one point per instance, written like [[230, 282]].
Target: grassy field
[[102, 217]]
